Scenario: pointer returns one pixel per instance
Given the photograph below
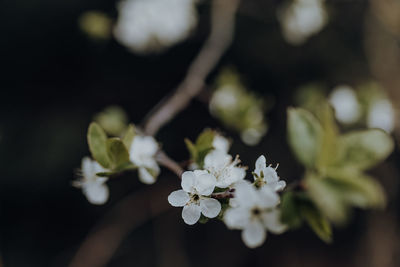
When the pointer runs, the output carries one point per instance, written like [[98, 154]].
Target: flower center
[[256, 211]]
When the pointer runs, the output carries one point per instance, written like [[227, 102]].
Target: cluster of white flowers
[[151, 25], [141, 153], [253, 207], [302, 19], [349, 109], [93, 187]]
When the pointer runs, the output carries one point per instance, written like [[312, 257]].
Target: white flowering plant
[[214, 184]]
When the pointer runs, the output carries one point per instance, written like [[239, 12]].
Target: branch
[[133, 211], [101, 243], [169, 163], [222, 29]]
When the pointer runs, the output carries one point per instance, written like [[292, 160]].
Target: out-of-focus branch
[[131, 212], [222, 28]]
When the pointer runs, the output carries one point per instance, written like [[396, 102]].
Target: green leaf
[[128, 136], [364, 149], [117, 152], [328, 149], [327, 198], [205, 140], [97, 140], [358, 189], [290, 213], [113, 120], [192, 149], [305, 135], [317, 222]]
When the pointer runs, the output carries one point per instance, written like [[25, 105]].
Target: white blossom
[[254, 212], [344, 101], [142, 153], [197, 186], [221, 143], [93, 187], [381, 115], [225, 170], [151, 25], [302, 19], [267, 176]]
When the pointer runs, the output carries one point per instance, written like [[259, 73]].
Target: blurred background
[[61, 67]]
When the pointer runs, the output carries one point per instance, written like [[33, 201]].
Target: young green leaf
[[290, 213], [112, 119], [128, 136], [317, 222], [192, 149], [328, 149], [205, 140], [364, 149], [358, 189], [97, 140], [305, 135], [117, 152], [327, 197]]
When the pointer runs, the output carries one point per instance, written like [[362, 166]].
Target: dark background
[[55, 79]]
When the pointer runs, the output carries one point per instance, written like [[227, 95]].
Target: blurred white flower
[[381, 115], [344, 101], [197, 186], [252, 136], [93, 186], [221, 143], [225, 97], [267, 176], [151, 25], [302, 19], [225, 170], [254, 212], [142, 153]]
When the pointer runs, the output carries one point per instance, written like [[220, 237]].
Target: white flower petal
[[145, 176], [178, 198], [277, 186], [261, 163], [191, 213], [268, 198], [205, 184], [95, 193], [216, 160], [270, 175], [254, 234], [87, 170], [245, 194], [272, 221], [221, 143], [188, 181], [197, 173], [210, 207], [236, 218]]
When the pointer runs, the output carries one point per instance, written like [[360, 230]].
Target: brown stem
[[222, 21], [226, 194], [129, 213], [169, 163]]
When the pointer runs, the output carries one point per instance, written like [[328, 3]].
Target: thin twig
[[225, 194], [169, 163], [223, 15]]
